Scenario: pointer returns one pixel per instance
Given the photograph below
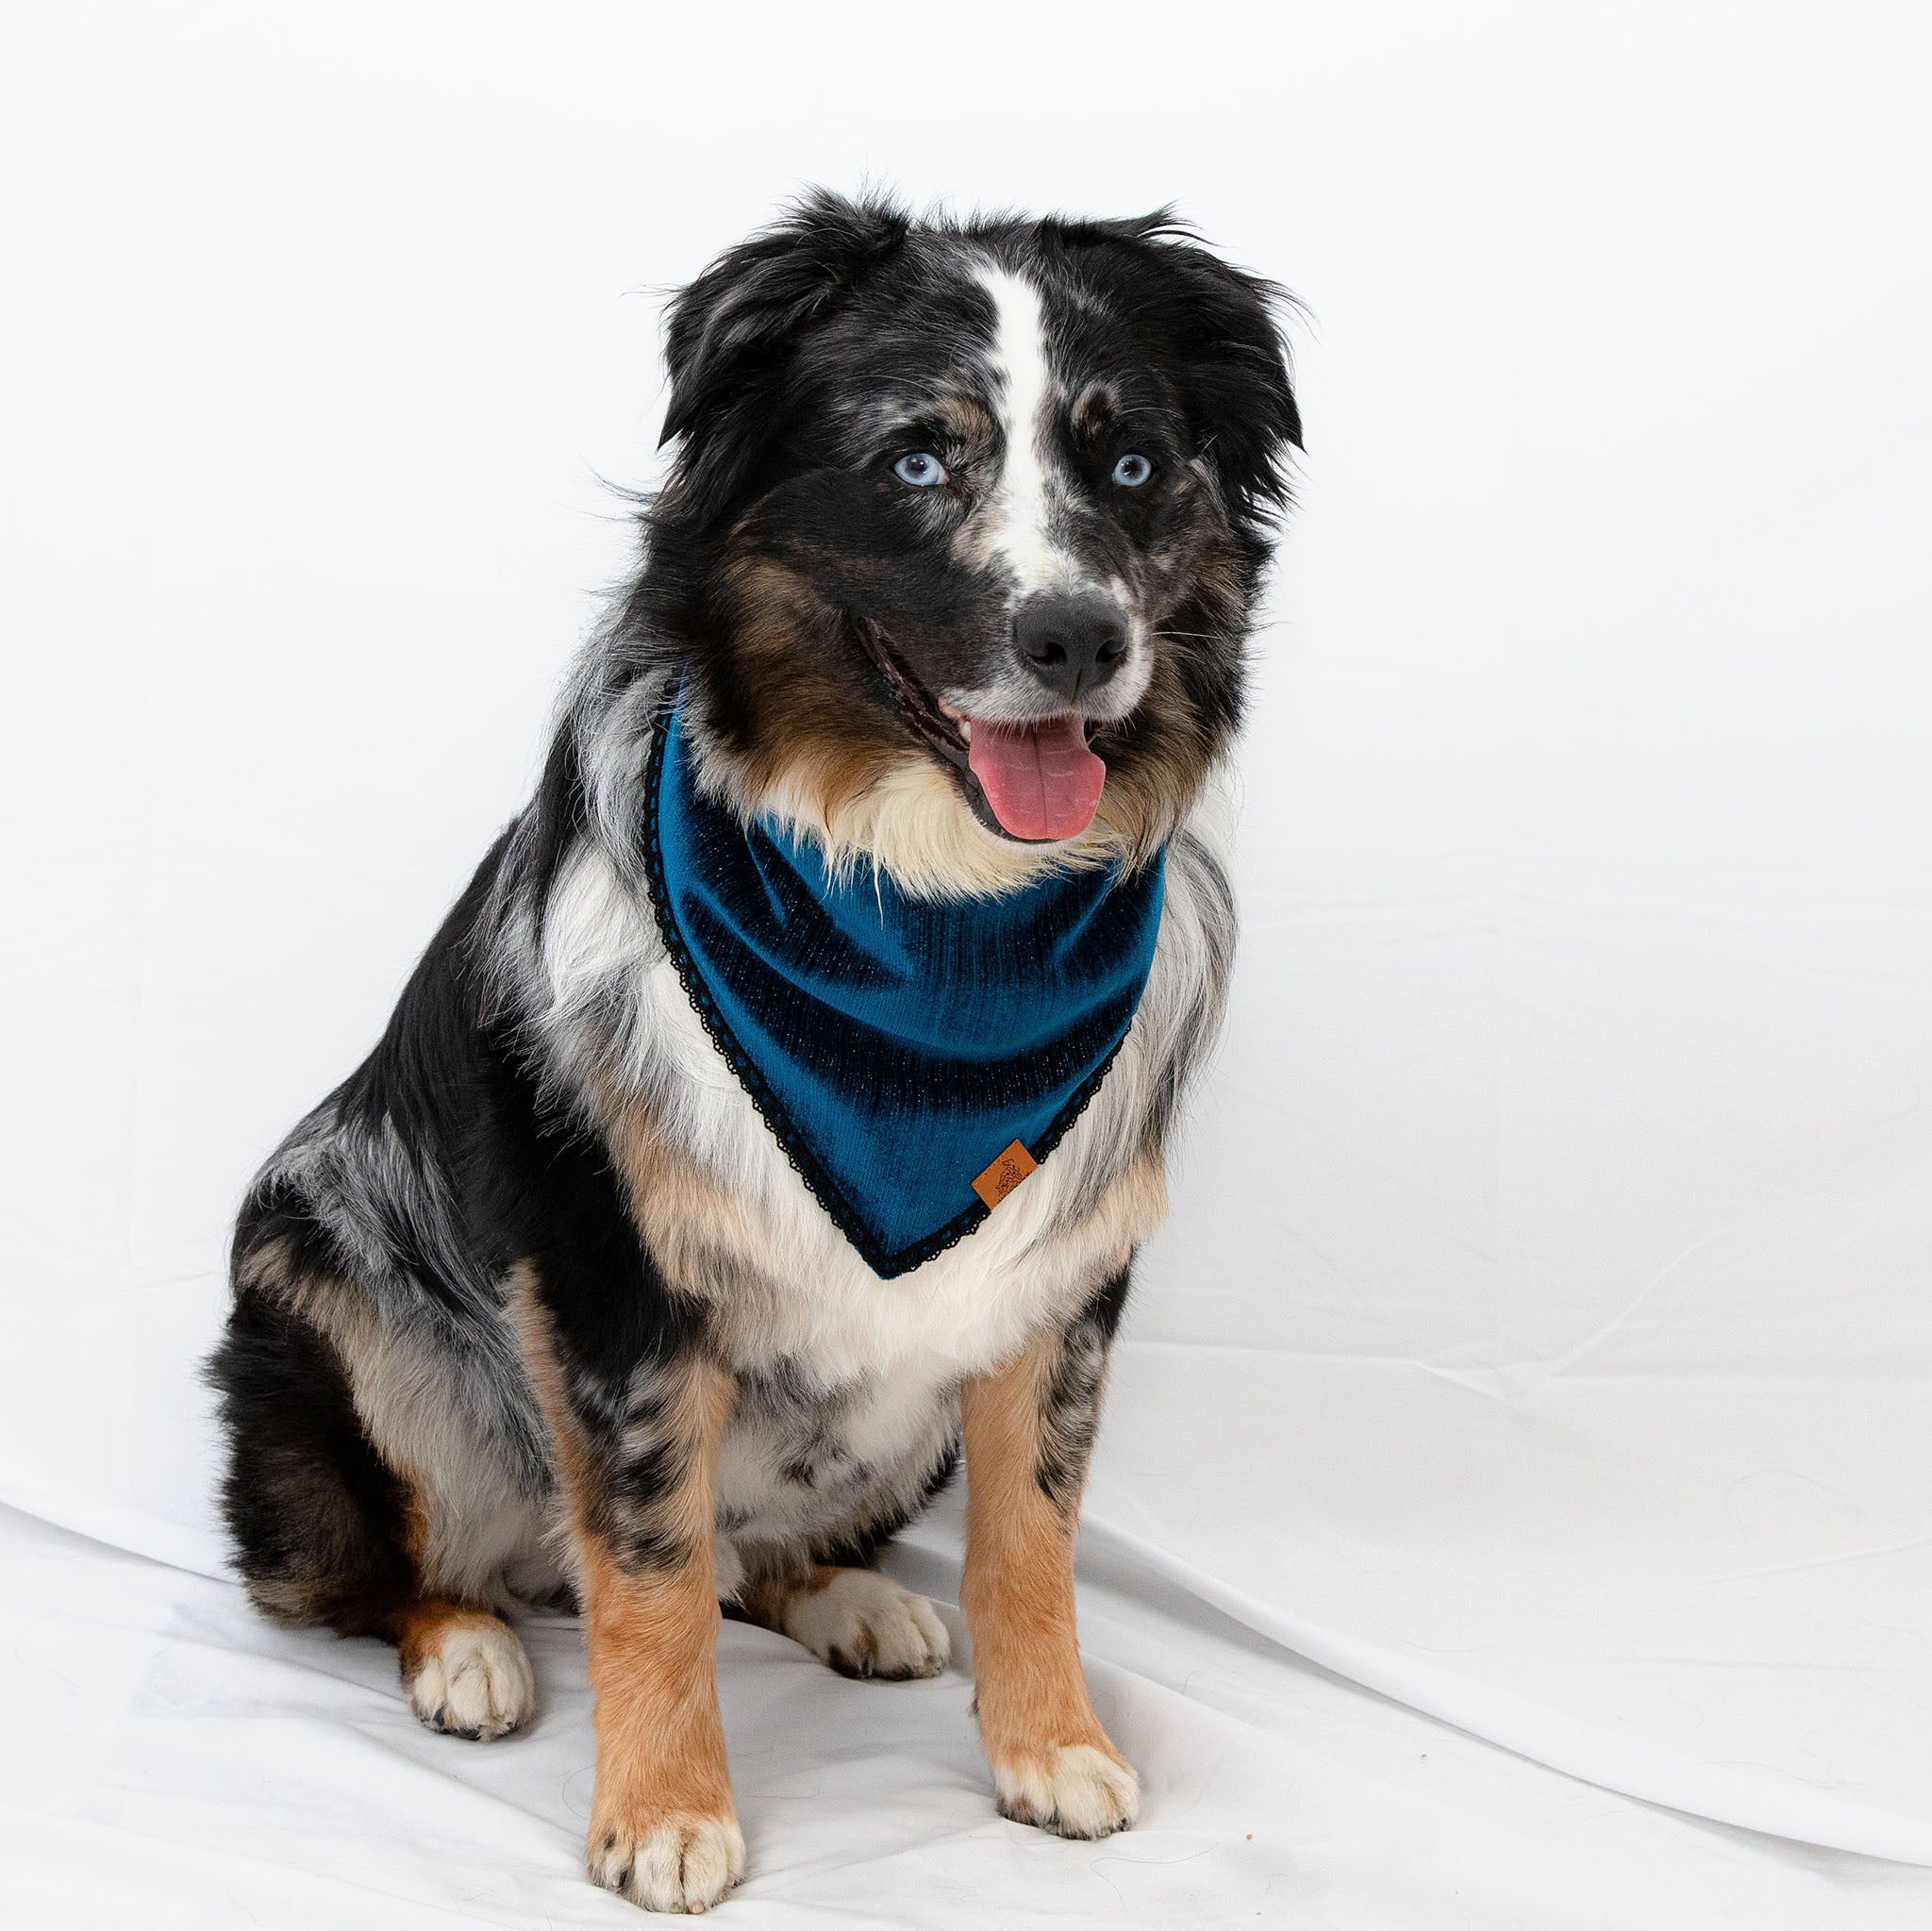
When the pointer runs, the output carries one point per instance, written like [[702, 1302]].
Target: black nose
[[1072, 643]]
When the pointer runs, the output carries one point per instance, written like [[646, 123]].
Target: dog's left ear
[[731, 334], [1240, 376], [1221, 328]]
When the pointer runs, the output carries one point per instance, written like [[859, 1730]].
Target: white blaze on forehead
[[1018, 514]]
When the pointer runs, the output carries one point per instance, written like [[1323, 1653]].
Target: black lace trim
[[824, 1189]]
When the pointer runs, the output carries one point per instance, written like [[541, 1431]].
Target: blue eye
[[922, 471], [1132, 471]]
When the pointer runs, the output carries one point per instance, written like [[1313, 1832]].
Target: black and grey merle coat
[[545, 1131]]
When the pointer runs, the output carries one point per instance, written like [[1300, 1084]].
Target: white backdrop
[[1540, 1342]]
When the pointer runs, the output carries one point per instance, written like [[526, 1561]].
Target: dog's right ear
[[730, 335]]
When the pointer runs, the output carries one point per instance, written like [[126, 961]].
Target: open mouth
[[1036, 783]]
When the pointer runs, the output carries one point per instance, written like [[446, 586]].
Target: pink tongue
[[1041, 779]]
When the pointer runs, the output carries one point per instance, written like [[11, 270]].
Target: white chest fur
[[794, 1302]]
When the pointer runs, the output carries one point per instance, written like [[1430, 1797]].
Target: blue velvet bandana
[[915, 1059]]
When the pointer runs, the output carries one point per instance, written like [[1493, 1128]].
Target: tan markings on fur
[[694, 1417], [1095, 405], [966, 418], [652, 1653], [883, 800], [913, 823], [690, 1417], [418, 1628], [651, 1636], [343, 1314], [1146, 795], [811, 743], [660, 1739], [348, 1325], [579, 1479], [302, 1602], [416, 1529], [703, 1235], [466, 1673], [1130, 1209], [723, 1247], [857, 1620], [463, 1515], [766, 1599], [1018, 1588]]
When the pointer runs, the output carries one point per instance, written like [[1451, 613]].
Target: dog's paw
[[864, 1625], [675, 1862], [473, 1679], [1073, 1790]]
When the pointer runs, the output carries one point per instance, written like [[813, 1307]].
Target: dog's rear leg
[[859, 1622], [1029, 1432], [465, 1669], [326, 1532]]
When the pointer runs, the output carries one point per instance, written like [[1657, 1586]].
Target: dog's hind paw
[[1075, 1790], [864, 1625], [675, 1862], [469, 1676]]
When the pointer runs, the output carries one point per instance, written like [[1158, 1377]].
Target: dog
[[647, 1264]]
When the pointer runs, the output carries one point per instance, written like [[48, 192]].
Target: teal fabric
[[896, 1046]]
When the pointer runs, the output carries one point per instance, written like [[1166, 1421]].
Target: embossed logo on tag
[[1004, 1174]]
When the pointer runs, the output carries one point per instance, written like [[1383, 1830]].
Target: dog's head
[[965, 522]]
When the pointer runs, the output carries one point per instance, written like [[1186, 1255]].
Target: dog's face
[[965, 526]]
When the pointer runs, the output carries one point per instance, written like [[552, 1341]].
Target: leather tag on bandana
[[1004, 1174]]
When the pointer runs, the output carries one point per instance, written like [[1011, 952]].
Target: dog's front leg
[[636, 1464], [1030, 1431]]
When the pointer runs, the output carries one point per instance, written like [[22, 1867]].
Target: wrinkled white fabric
[[1514, 1507]]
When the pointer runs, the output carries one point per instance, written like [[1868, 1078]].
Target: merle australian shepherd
[[950, 586]]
